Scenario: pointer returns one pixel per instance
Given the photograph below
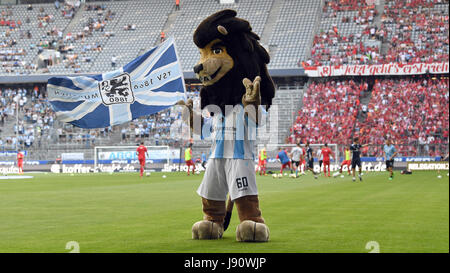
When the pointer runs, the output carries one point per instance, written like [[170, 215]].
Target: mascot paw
[[250, 231], [188, 117], [189, 103], [252, 94], [206, 230]]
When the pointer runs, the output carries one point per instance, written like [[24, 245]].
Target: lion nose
[[198, 68]]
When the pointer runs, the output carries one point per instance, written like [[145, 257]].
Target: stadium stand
[[192, 12], [31, 31], [92, 37], [417, 31], [292, 33], [344, 32], [95, 37], [405, 32]]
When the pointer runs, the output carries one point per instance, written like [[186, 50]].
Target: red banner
[[377, 70]]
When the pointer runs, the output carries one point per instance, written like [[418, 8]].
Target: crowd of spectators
[[332, 46], [413, 30], [72, 48], [410, 111], [329, 112], [345, 5], [418, 31], [18, 26], [33, 121], [75, 48]]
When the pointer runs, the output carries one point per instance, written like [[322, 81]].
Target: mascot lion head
[[230, 52]]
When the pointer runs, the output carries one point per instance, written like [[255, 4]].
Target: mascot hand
[[188, 117], [252, 95]]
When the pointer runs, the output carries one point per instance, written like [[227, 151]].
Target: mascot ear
[[222, 30]]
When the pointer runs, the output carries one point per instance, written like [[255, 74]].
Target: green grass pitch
[[123, 213]]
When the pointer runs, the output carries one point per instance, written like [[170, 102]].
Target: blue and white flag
[[148, 84]]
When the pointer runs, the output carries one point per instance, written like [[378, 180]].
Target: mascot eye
[[217, 51]]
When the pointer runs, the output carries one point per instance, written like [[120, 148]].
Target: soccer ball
[[164, 176], [439, 176], [280, 175], [197, 172], [147, 174], [342, 176], [274, 175]]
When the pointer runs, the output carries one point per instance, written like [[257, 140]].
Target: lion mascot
[[233, 71]]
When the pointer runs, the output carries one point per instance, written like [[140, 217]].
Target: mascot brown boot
[[212, 225], [252, 227]]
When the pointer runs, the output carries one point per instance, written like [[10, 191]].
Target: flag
[[147, 85]]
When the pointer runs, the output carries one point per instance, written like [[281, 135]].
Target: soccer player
[[389, 153], [355, 148], [262, 161], [310, 159], [204, 160], [20, 157], [320, 157], [297, 156], [141, 152], [188, 159], [258, 168], [327, 154], [348, 161], [284, 159], [303, 163]]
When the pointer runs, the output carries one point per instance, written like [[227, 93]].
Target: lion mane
[[250, 60]]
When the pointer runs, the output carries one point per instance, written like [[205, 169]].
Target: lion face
[[215, 62]]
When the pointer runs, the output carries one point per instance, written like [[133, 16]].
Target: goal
[[127, 154]]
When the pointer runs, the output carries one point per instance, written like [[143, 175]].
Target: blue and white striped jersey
[[233, 136]]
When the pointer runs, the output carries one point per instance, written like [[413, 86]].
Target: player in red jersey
[[141, 152], [327, 153], [20, 157]]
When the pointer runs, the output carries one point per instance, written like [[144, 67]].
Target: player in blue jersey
[[284, 159], [204, 159], [355, 148], [389, 153]]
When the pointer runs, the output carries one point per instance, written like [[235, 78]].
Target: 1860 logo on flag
[[116, 90]]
